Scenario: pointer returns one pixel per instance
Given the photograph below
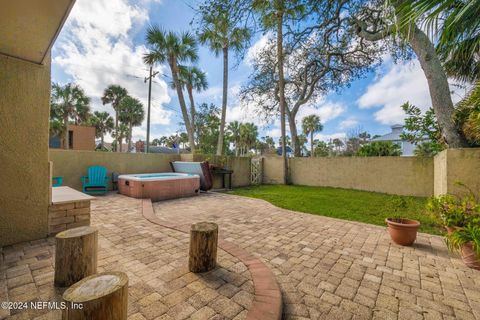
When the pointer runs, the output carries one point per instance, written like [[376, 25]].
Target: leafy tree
[[422, 129], [455, 25], [233, 130], [468, 115], [220, 26], [156, 142], [113, 94], [322, 149], [380, 149], [103, 123], [208, 124], [119, 135], [320, 55], [68, 102], [378, 22], [131, 113], [174, 49], [192, 78], [355, 139], [311, 124], [248, 137], [425, 149]]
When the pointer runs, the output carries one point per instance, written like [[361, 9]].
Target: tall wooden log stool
[[101, 296], [203, 247], [75, 255]]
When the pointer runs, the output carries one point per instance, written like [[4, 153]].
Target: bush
[[380, 149]]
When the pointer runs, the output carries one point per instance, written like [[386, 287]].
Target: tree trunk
[[203, 247], [75, 255], [129, 138], [192, 107], [294, 134], [119, 144], [281, 92], [116, 130], [311, 144], [100, 296], [224, 102], [438, 86], [181, 100], [101, 141]]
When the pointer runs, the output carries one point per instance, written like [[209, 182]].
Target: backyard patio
[[324, 267]]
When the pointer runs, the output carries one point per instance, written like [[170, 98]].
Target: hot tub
[[159, 186]]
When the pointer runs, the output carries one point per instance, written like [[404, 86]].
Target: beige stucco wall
[[272, 170], [458, 165], [394, 175], [72, 164], [83, 137], [239, 165], [24, 113]]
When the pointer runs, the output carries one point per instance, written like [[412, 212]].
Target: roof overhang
[[29, 28]]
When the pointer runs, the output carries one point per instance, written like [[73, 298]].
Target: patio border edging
[[267, 301]]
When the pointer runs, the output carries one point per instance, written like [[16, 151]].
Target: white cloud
[[393, 86], [348, 123], [326, 110], [256, 48], [328, 137], [95, 49]]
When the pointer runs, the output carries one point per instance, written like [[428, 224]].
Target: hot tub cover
[[200, 168]]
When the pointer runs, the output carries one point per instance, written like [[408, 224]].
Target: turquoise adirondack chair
[[57, 181], [96, 182]]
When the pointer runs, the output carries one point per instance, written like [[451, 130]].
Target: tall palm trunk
[[129, 137], [224, 102], [311, 144], [438, 87], [181, 100], [192, 106], [116, 131], [101, 141], [281, 91]]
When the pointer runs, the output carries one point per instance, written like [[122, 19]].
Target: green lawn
[[363, 206]]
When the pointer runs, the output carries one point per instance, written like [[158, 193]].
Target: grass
[[354, 205]]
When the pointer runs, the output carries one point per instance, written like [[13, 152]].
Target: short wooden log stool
[[101, 296], [75, 255], [203, 247]]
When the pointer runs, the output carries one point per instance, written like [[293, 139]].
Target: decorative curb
[[267, 301]]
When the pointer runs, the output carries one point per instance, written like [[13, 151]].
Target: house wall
[[24, 114], [72, 164], [456, 166], [394, 175], [83, 137]]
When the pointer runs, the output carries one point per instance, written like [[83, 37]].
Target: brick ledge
[[267, 301]]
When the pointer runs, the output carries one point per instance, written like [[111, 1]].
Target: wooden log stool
[[75, 255], [100, 296], [203, 247]]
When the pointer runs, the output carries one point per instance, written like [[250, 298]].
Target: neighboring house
[[397, 129], [79, 138]]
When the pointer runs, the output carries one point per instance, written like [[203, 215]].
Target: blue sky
[[103, 43]]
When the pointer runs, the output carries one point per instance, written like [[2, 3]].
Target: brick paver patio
[[335, 269], [154, 258], [326, 268]]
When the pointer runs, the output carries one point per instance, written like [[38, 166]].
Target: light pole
[[149, 78]]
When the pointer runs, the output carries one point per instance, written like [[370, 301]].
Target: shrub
[[380, 149]]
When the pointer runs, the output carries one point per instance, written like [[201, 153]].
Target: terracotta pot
[[402, 231], [469, 257]]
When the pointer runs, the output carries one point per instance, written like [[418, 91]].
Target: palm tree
[[311, 124], [234, 131], [173, 49], [131, 113], [248, 136], [114, 94], [192, 78], [119, 135], [183, 139], [103, 123], [220, 30], [68, 101]]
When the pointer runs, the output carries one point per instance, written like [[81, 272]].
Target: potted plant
[[403, 231], [461, 218], [466, 241]]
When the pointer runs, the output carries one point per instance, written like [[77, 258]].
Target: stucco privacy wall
[[239, 165], [394, 175], [72, 164], [457, 165], [24, 113]]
